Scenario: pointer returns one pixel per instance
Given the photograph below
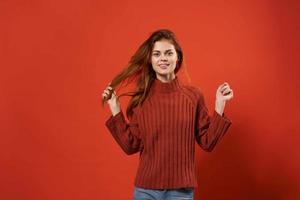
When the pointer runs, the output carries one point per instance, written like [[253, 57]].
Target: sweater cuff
[[113, 121], [223, 119]]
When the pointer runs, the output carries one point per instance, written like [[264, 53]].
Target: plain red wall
[[57, 57]]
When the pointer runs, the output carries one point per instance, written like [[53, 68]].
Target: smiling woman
[[164, 60], [165, 119]]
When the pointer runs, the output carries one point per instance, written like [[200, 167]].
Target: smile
[[164, 66]]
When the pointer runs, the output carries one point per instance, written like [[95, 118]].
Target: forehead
[[163, 45]]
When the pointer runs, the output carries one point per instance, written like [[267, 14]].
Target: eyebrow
[[165, 51]]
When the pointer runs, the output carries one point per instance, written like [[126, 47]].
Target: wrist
[[115, 109], [219, 106], [115, 112]]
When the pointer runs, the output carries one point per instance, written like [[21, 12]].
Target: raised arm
[[126, 134], [209, 129]]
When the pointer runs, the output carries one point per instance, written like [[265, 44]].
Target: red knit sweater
[[164, 130]]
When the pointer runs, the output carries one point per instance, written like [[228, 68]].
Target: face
[[164, 59]]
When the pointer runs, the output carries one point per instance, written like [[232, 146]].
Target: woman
[[165, 118]]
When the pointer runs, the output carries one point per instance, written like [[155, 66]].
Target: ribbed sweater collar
[[166, 87]]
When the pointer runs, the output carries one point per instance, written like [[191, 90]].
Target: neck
[[166, 87], [166, 78]]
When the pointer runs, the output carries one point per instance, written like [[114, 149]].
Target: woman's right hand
[[113, 101]]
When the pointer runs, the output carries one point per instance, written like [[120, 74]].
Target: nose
[[163, 57]]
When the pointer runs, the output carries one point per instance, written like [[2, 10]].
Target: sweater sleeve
[[126, 134], [210, 129]]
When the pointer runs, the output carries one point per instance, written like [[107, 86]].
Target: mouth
[[163, 66]]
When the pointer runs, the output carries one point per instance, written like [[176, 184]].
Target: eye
[[155, 54], [170, 53]]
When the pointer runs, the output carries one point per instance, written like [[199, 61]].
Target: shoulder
[[195, 94], [192, 91]]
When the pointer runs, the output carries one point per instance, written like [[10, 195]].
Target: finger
[[228, 92], [225, 83], [107, 96], [104, 96], [106, 92], [225, 93], [224, 88]]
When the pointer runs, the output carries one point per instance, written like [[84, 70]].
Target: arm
[[127, 135], [210, 129]]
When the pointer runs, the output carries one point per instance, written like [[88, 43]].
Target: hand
[[111, 98], [223, 94]]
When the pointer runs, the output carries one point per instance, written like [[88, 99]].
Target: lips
[[163, 66]]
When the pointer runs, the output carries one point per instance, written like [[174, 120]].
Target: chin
[[163, 72]]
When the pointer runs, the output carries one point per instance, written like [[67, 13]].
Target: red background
[[57, 57]]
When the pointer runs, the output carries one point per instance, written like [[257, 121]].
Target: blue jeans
[[160, 194]]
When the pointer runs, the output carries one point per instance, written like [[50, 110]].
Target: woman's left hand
[[223, 94]]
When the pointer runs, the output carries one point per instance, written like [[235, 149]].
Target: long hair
[[140, 68]]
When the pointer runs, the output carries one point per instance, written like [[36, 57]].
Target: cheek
[[174, 59], [154, 60]]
